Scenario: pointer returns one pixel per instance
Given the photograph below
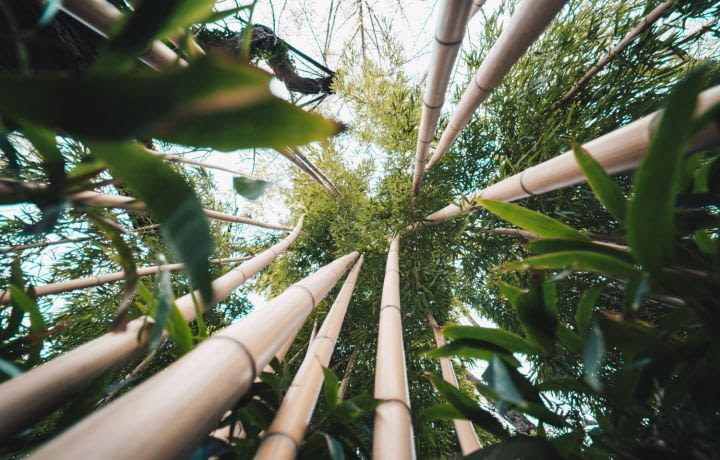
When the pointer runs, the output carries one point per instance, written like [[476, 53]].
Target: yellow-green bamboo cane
[[467, 437], [29, 396], [449, 35], [81, 283], [393, 437], [618, 151], [166, 416], [286, 433], [525, 26]]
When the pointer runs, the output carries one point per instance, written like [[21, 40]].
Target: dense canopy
[[580, 321]]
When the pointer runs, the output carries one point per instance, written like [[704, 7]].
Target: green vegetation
[[611, 350]]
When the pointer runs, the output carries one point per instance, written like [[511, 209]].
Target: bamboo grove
[[415, 309]]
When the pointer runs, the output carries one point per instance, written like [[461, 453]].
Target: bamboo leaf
[[586, 261], [593, 357], [170, 200], [547, 246], [330, 388], [583, 314], [23, 300], [539, 323], [334, 447], [541, 225], [215, 102], [162, 310], [498, 379], [604, 187], [473, 349], [650, 216], [438, 412], [9, 369], [518, 447], [468, 408], [252, 189], [179, 330], [507, 340]]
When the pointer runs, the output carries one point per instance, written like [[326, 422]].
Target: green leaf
[[468, 408], [543, 226], [170, 200], [220, 15], [569, 339], [583, 314], [334, 447], [539, 323], [498, 379], [11, 153], [330, 388], [152, 20], [635, 291], [565, 385], [554, 245], [650, 217], [473, 349], [215, 102], [23, 300], [10, 369], [586, 261], [438, 412], [179, 330], [162, 311], [509, 291], [604, 187], [53, 162], [507, 340], [251, 189], [593, 357]]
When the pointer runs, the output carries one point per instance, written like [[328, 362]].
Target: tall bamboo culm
[[618, 151], [525, 26], [393, 437], [467, 437], [286, 433], [81, 283], [449, 35], [100, 16], [166, 416], [33, 394]]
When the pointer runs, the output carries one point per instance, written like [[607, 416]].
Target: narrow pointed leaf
[[252, 189], [583, 314], [507, 340], [604, 187], [331, 387], [541, 225], [585, 261], [593, 357]]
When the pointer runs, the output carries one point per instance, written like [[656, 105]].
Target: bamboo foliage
[[286, 433], [635, 32], [230, 360], [91, 281], [29, 396], [618, 151], [467, 437], [100, 16], [525, 26], [393, 436], [449, 35]]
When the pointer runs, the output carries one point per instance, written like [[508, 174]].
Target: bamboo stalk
[[467, 437], [100, 16], [82, 283], [42, 244], [305, 168], [346, 377], [525, 26], [202, 164], [188, 397], [635, 32], [91, 198], [477, 4], [287, 430], [393, 436], [31, 395], [449, 35], [618, 151], [317, 170]]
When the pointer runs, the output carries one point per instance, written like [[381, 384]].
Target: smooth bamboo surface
[[81, 283], [449, 35], [286, 433], [33, 394], [635, 32], [287, 153], [100, 15], [166, 416], [393, 437], [618, 151], [525, 26], [467, 437]]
